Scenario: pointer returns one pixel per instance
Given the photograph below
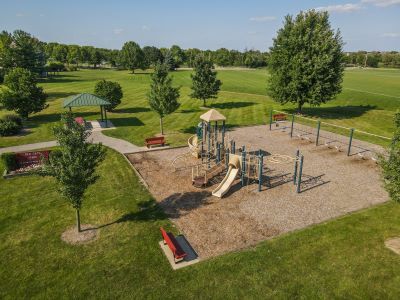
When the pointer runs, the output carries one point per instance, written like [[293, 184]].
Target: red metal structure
[[173, 245]]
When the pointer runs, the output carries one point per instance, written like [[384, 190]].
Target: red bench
[[173, 245], [155, 141], [279, 117]]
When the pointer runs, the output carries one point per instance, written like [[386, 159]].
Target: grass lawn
[[368, 102], [344, 258]]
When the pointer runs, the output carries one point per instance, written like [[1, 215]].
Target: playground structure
[[219, 157], [332, 136]]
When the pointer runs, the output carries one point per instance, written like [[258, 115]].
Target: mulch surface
[[332, 185]]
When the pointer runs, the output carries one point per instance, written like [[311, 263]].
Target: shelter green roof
[[84, 100]]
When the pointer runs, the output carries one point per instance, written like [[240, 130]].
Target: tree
[[169, 61], [22, 93], [178, 56], [95, 57], [20, 49], [391, 165], [60, 53], [110, 91], [163, 98], [153, 55], [132, 57], [205, 84], [74, 165], [306, 61], [74, 55]]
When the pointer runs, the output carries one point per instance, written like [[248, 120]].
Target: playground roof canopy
[[84, 100], [212, 115]]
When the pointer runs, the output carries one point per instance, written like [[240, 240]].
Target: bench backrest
[[156, 139], [279, 117], [168, 240]]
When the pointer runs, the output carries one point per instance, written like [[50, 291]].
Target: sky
[[205, 24]]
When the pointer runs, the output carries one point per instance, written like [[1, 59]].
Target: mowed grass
[[344, 258], [368, 101]]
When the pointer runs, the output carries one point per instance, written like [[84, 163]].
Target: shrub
[[8, 128], [391, 165], [110, 91], [9, 161], [14, 118]]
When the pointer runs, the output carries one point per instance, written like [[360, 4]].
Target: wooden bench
[[155, 141], [173, 245], [279, 117]]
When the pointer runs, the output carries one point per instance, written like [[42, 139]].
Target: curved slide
[[229, 178]]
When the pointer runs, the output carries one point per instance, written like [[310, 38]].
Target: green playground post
[[291, 128], [260, 166], [234, 147], [350, 141], [318, 128], [218, 156], [223, 133], [227, 159], [295, 166], [270, 119], [300, 173], [243, 167]]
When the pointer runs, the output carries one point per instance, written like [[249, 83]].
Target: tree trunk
[[299, 107], [204, 103], [161, 127], [78, 221]]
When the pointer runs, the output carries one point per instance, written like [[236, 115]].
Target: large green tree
[[306, 61], [205, 84], [74, 164], [110, 91], [163, 97], [178, 56], [132, 57], [20, 49], [22, 93], [153, 55], [391, 165]]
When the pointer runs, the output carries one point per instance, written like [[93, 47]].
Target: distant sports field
[[368, 101]]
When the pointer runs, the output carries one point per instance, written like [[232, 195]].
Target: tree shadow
[[148, 211], [187, 111], [232, 104], [130, 110], [335, 112], [36, 120], [179, 204], [125, 122], [59, 79], [56, 95]]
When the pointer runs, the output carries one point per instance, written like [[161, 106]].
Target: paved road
[[119, 145]]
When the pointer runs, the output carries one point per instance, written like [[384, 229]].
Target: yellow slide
[[226, 183]]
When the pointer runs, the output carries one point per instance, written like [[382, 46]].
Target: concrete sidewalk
[[28, 147], [119, 145]]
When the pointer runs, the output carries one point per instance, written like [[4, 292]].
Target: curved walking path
[[119, 145]]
